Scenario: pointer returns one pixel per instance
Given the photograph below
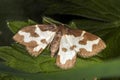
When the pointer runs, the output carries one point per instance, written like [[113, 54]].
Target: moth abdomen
[[55, 43]]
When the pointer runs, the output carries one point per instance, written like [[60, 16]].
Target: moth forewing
[[87, 44], [35, 37], [96, 46]]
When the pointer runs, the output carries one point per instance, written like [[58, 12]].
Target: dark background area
[[11, 10], [61, 10]]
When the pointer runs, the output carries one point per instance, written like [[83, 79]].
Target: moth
[[66, 42]]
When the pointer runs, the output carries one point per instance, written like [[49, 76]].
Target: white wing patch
[[88, 46], [72, 46], [43, 35], [75, 41], [64, 51]]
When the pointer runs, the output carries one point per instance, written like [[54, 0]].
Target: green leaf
[[9, 77], [95, 26], [14, 26], [106, 69], [94, 9], [47, 20], [72, 25], [16, 57]]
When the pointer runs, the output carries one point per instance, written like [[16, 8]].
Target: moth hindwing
[[66, 41]]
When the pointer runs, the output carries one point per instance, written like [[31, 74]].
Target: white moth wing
[[87, 44], [35, 38], [66, 57]]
